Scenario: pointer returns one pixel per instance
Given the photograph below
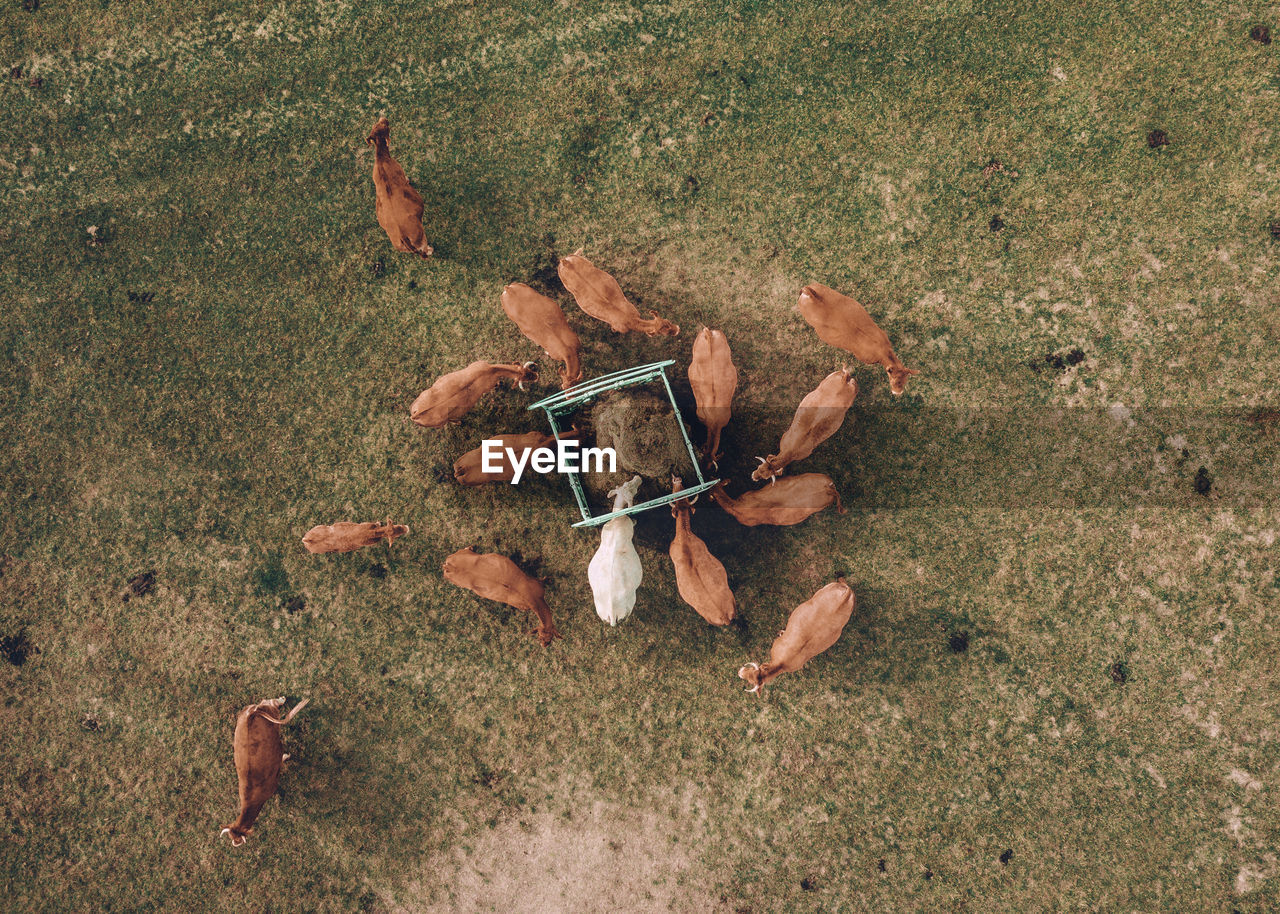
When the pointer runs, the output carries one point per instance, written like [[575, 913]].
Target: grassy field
[[1059, 689]]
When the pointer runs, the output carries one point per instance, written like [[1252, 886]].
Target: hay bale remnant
[[642, 428]]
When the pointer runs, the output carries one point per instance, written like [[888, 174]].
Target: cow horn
[[761, 460], [225, 831]]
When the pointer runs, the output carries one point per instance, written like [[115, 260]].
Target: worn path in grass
[[1058, 687]]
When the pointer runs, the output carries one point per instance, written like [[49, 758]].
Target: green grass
[[715, 162]]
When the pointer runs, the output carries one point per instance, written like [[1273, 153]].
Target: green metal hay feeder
[[566, 402]]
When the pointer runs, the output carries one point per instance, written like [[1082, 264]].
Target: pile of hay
[[642, 428]]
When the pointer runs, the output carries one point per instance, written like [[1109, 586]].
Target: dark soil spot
[[807, 884], [928, 874], [1157, 138], [1274, 228], [488, 778], [295, 605], [413, 284], [90, 723], [15, 72], [1265, 419], [691, 183], [138, 586], [1060, 361], [376, 571], [959, 642], [1119, 672], [16, 647], [1204, 482], [880, 865], [271, 577], [36, 82], [144, 297], [441, 473], [31, 5], [378, 267], [1260, 34], [996, 224], [1006, 857], [615, 846]]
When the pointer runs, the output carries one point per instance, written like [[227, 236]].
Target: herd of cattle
[[614, 572]]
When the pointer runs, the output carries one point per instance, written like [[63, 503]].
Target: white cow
[[615, 570]]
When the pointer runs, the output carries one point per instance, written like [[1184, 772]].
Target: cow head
[[751, 673], [662, 327], [624, 496], [767, 469], [898, 376], [529, 376], [380, 132], [680, 505], [238, 836]]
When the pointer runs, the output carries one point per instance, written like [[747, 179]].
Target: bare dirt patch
[[603, 858]]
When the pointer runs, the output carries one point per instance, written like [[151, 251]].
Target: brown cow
[[813, 627], [345, 536], [469, 468], [713, 378], [793, 499], [541, 320], [452, 396], [399, 206], [496, 577], [259, 756], [845, 324], [817, 418], [599, 294], [701, 579]]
